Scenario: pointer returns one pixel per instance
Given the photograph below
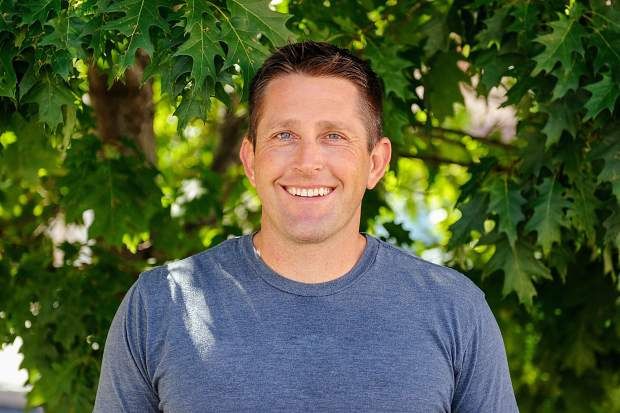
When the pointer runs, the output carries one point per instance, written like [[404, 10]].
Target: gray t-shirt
[[220, 331]]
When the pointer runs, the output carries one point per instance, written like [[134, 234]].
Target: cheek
[[269, 156], [268, 168], [342, 154], [352, 172]]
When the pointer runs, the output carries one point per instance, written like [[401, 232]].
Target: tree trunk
[[125, 108]]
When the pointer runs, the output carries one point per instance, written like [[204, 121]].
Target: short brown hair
[[320, 59]]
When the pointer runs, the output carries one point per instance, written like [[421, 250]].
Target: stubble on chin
[[311, 236]]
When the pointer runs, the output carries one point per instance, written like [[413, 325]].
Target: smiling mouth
[[314, 192]]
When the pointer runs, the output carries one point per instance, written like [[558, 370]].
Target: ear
[[246, 154], [379, 161]]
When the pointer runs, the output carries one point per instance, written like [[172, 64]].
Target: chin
[[308, 235]]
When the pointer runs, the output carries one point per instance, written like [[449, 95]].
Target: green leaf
[[38, 10], [582, 211], [389, 66], [561, 118], [519, 91], [202, 46], [50, 94], [473, 214], [604, 96], [395, 120], [607, 49], [520, 268], [568, 77], [492, 35], [581, 351], [194, 104], [30, 152], [612, 227], [611, 170], [28, 81], [611, 173], [243, 47], [577, 166], [194, 12], [346, 24], [8, 78], [441, 84], [66, 39], [96, 39], [121, 192], [478, 171], [172, 69], [506, 202], [139, 16], [560, 44], [65, 33], [607, 148], [397, 232], [560, 260], [261, 19], [241, 31], [436, 32], [493, 67], [526, 18], [548, 217], [533, 155]]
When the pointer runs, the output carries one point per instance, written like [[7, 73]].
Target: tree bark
[[125, 108], [232, 130]]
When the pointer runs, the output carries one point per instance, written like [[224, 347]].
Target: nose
[[308, 157]]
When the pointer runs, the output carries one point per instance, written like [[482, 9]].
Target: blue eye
[[334, 136], [284, 136]]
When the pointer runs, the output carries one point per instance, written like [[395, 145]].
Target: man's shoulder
[[187, 270], [424, 275]]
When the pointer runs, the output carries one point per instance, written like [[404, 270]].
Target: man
[[307, 314]]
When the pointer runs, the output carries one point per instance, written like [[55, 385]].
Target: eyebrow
[[329, 124], [288, 123], [323, 124]]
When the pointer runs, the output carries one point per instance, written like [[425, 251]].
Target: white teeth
[[308, 192]]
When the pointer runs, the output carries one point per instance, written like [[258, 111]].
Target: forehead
[[305, 99]]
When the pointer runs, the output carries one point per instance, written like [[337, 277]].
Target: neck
[[310, 262]]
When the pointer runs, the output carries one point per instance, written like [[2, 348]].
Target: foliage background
[[119, 128]]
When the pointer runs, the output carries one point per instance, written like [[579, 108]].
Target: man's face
[[310, 164]]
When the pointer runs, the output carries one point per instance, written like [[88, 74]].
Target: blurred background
[[120, 124]]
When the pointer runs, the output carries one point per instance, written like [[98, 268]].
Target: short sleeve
[[124, 384], [483, 382]]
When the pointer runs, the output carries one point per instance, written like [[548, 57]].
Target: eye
[[334, 136], [284, 136]]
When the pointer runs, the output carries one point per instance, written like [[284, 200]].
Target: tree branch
[[436, 160], [441, 131], [231, 130]]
